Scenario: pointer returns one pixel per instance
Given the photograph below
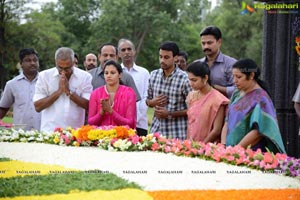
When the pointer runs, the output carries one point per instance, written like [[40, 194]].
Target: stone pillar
[[280, 67]]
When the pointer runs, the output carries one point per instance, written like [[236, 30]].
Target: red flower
[[58, 129]]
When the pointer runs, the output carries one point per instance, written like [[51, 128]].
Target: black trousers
[[141, 132]]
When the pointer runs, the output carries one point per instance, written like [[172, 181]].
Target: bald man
[[90, 61]]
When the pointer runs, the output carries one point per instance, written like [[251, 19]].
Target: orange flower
[[83, 132], [297, 39], [122, 132], [226, 194]]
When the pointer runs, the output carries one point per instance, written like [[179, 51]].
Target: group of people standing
[[213, 99]]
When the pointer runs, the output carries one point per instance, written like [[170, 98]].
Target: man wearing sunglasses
[[62, 93]]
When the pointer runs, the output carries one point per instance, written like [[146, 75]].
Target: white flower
[[125, 145], [31, 139], [14, 136], [40, 139], [117, 143], [110, 148]]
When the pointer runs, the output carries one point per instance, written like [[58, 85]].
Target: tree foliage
[[85, 24], [242, 34], [10, 14]]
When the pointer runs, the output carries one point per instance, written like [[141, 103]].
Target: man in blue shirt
[[19, 92], [220, 65]]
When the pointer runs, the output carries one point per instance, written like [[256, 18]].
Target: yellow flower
[[149, 136], [76, 144], [69, 128], [131, 132], [74, 133], [56, 139]]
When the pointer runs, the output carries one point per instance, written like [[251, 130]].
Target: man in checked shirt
[[167, 92]]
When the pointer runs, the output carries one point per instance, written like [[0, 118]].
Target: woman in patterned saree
[[251, 118]]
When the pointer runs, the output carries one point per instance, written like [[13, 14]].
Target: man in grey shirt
[[107, 52], [19, 92], [220, 65]]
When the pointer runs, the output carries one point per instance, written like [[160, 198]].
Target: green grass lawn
[[62, 184]]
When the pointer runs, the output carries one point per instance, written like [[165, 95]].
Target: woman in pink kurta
[[112, 104], [206, 106]]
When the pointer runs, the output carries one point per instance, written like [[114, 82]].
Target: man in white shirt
[[62, 93], [126, 51]]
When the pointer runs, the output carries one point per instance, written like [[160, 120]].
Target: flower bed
[[226, 181], [122, 138]]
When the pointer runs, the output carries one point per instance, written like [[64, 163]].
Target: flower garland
[[123, 138]]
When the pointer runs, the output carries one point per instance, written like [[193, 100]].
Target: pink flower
[[241, 160], [156, 135], [268, 157], [256, 163], [167, 149], [187, 144], [66, 139], [229, 158], [262, 164], [187, 153], [194, 151], [281, 156], [216, 156], [162, 140], [175, 149], [58, 129], [200, 151], [135, 139], [155, 147]]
